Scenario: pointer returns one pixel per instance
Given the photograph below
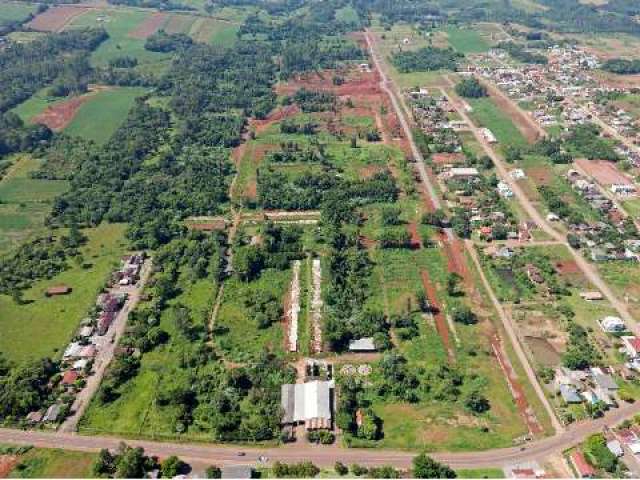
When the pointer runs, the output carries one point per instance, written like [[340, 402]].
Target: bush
[[341, 469], [471, 88]]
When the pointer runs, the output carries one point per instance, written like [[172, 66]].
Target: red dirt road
[[441, 322], [516, 388]]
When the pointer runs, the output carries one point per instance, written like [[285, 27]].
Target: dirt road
[[107, 351], [387, 86], [199, 455], [510, 328], [587, 269]]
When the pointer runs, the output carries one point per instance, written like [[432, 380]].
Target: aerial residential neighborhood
[[320, 239]]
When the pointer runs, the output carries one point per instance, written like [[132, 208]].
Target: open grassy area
[[54, 463], [118, 22], [15, 11], [237, 334], [101, 116], [487, 114], [24, 201], [467, 40], [35, 105], [136, 411], [42, 326]]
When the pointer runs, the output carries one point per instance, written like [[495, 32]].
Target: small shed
[[58, 290], [615, 447], [570, 394], [365, 344]]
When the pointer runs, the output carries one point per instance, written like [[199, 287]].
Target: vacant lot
[[42, 326], [487, 114], [56, 18], [604, 172], [53, 463], [467, 40]]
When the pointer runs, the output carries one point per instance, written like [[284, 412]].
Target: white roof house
[[612, 324], [615, 447], [365, 344], [307, 402]]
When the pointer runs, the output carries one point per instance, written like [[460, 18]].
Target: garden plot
[[293, 312], [316, 305]]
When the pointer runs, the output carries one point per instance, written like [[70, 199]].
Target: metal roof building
[[308, 403]]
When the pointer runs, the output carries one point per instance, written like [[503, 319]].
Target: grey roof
[[363, 344], [237, 471], [306, 401], [605, 381], [569, 394]]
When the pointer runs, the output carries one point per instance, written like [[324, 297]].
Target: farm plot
[[215, 32], [179, 23], [149, 26], [24, 202], [118, 23], [56, 18], [41, 326], [11, 12]]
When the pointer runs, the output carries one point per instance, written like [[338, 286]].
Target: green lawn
[[42, 326], [99, 118], [487, 114], [54, 463], [481, 473], [15, 11], [466, 40], [223, 34], [118, 23]]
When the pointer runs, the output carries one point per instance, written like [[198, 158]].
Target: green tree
[[172, 466], [426, 467]]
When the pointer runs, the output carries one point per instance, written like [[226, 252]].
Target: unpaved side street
[[107, 350]]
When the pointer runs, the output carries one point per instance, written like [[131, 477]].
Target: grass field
[[43, 325], [36, 105], [214, 32], [24, 202], [467, 40], [118, 23], [101, 116], [15, 12], [54, 463], [135, 411], [487, 114], [237, 334]]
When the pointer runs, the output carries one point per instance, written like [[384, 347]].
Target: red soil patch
[[604, 172], [516, 388], [357, 83], [416, 241], [7, 464], [149, 26], [56, 18], [540, 175], [567, 267], [59, 116], [277, 115], [441, 322], [447, 158]]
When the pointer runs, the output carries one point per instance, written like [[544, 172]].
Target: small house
[[612, 324], [569, 394], [52, 413], [581, 465], [631, 345], [362, 345], [69, 377], [615, 447], [591, 296]]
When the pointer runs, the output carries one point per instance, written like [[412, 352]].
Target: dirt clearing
[[604, 172], [57, 117], [149, 26], [438, 315]]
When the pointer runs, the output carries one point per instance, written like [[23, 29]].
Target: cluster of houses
[[79, 355], [586, 386], [432, 114]]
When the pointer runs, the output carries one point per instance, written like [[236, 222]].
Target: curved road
[[199, 455]]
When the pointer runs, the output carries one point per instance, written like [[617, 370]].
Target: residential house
[[612, 324], [308, 403], [362, 345], [631, 346], [58, 290], [591, 296], [569, 394]]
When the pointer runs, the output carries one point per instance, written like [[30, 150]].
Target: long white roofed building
[[308, 403]]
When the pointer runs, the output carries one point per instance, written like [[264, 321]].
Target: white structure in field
[[307, 403], [294, 310]]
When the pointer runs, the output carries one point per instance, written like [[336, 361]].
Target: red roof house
[[581, 465], [69, 377]]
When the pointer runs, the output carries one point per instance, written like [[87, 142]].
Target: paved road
[[510, 328], [387, 86], [587, 269], [199, 455], [106, 352]]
